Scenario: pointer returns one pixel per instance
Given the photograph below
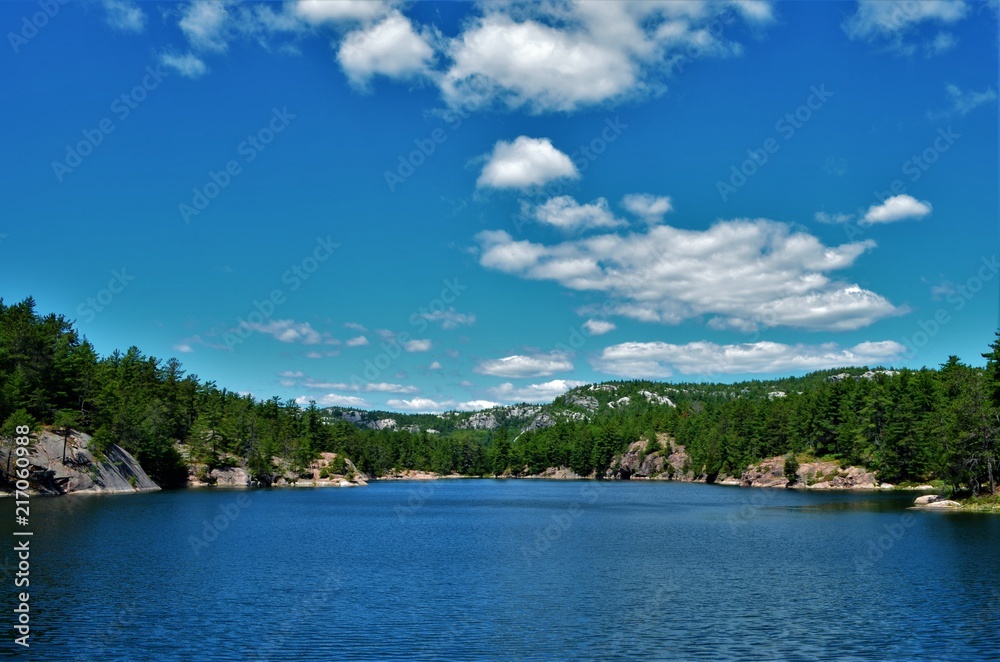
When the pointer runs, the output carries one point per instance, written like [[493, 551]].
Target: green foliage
[[909, 425], [791, 468]]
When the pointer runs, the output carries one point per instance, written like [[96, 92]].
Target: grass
[[983, 504]]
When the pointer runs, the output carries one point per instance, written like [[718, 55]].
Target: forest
[[906, 425]]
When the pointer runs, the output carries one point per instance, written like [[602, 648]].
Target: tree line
[[907, 425]]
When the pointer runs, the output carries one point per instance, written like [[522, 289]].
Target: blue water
[[472, 569]]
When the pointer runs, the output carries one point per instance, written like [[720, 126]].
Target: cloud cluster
[[519, 365], [543, 57], [660, 359], [290, 331], [741, 273]]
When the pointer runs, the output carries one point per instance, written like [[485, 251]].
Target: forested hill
[[906, 425]]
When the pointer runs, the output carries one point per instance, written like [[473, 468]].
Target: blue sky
[[432, 206]]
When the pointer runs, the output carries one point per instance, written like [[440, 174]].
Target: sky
[[432, 206]]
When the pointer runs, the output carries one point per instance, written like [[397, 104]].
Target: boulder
[[943, 503], [925, 499]]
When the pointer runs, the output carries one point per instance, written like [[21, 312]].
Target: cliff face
[[117, 472], [671, 462]]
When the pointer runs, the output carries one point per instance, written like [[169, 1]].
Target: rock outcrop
[[113, 472], [935, 501]]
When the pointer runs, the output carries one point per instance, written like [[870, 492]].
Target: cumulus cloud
[[566, 213], [188, 65], [544, 392], [565, 56], [538, 365], [436, 365], [963, 101], [897, 208], [389, 48], [650, 208], [341, 11], [897, 24], [124, 15], [333, 400], [660, 359], [421, 404], [524, 163], [747, 271], [598, 327], [417, 345], [356, 341], [354, 326], [183, 348]]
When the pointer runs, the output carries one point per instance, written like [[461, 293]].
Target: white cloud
[[417, 345], [321, 355], [896, 24], [477, 405], [357, 341], [660, 359], [598, 327], [750, 271], [545, 392], [333, 400], [367, 387], [291, 374], [436, 365], [354, 326], [565, 56], [449, 319], [421, 404], [340, 11], [963, 102], [183, 348], [389, 48], [566, 213], [650, 208], [205, 23], [124, 15], [290, 331], [897, 208], [525, 163], [188, 65], [539, 365]]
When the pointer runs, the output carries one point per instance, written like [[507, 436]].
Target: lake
[[475, 569]]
